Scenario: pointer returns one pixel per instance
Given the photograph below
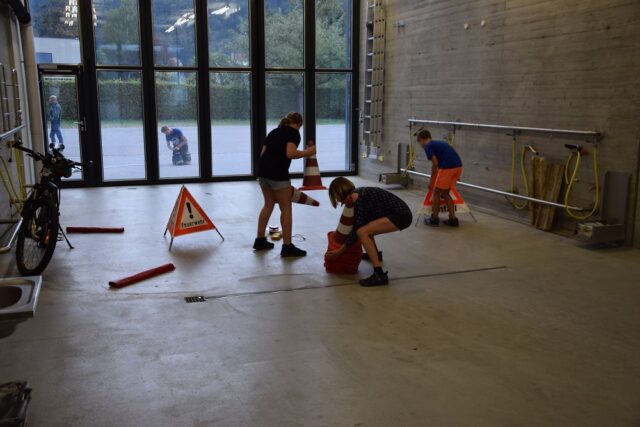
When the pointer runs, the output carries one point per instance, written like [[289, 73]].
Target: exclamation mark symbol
[[189, 209]]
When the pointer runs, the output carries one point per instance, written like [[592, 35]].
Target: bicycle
[[38, 234]]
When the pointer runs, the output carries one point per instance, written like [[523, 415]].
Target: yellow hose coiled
[[412, 154], [571, 181]]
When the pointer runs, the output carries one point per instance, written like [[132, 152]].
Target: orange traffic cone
[[298, 196], [346, 222], [311, 179]]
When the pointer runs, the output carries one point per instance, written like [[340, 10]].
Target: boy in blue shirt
[[446, 168], [177, 142]]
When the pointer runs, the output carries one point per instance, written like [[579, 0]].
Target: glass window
[[284, 94], [116, 32], [177, 107], [63, 116], [333, 34], [120, 102], [174, 36], [56, 30], [284, 33], [229, 34], [333, 119], [231, 123]]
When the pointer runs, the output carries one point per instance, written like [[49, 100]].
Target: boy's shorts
[[447, 178]]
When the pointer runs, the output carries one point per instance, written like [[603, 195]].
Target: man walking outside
[[55, 116]]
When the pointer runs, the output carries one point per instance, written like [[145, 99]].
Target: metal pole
[[16, 98], [594, 134], [503, 193], [11, 132]]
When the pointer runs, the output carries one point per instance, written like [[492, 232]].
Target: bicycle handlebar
[[34, 154], [42, 157]]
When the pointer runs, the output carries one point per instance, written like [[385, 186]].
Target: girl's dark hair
[[291, 119], [424, 134], [339, 189]]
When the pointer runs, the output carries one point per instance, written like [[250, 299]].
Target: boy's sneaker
[[452, 222], [291, 251], [261, 243], [376, 279], [433, 222], [365, 256]]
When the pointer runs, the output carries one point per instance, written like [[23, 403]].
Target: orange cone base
[[313, 187], [348, 262]]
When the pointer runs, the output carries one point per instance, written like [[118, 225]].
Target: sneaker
[[261, 243], [433, 222], [179, 163], [452, 222], [291, 251], [365, 256], [376, 279]]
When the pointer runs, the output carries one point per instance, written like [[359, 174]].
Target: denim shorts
[[274, 185]]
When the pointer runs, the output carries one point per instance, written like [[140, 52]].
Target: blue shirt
[[447, 157], [174, 136], [55, 114]]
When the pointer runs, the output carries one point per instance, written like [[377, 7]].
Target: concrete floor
[[494, 323]]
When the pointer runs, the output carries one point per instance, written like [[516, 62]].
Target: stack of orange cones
[[350, 259], [298, 196], [346, 222], [311, 179]]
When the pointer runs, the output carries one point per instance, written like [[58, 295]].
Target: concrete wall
[[570, 64]]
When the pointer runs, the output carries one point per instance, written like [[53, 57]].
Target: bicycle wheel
[[37, 237]]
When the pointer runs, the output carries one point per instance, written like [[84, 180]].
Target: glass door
[[64, 120]]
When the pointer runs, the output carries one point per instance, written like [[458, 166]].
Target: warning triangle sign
[[458, 203], [188, 217]]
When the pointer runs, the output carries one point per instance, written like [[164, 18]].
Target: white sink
[[18, 300]]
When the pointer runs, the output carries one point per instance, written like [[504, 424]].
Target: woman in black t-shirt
[[280, 147]]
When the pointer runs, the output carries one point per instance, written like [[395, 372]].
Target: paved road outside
[[123, 151]]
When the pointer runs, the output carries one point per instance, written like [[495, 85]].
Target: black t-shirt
[[274, 164]]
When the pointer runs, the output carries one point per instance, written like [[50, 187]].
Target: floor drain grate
[[195, 299]]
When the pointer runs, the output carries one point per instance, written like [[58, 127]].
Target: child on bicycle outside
[[446, 168]]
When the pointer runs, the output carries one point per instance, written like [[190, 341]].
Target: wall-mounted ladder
[[374, 79]]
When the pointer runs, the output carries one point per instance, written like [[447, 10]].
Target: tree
[[48, 19], [331, 39], [120, 27], [284, 38]]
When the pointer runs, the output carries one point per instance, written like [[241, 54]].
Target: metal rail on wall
[[588, 133], [594, 135], [494, 191]]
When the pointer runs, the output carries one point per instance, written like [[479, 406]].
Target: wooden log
[[538, 174], [552, 185]]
